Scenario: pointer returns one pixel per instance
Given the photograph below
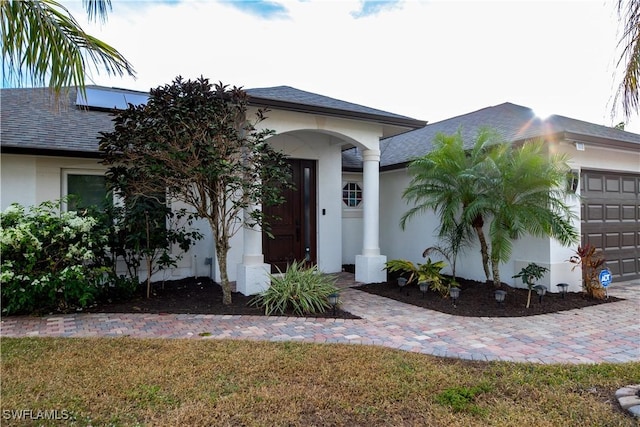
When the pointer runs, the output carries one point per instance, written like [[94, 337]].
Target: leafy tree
[[627, 95], [516, 191], [42, 41], [194, 139], [146, 229]]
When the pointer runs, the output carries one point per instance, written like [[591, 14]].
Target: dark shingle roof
[[513, 122], [32, 121], [290, 98]]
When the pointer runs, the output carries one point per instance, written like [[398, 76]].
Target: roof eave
[[39, 151], [588, 139], [603, 142], [304, 108]]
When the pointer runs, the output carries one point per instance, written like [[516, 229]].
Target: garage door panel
[[596, 239], [630, 267], [612, 241], [594, 184], [612, 185], [611, 219], [612, 212], [614, 267], [629, 185], [629, 213], [595, 212], [629, 240]]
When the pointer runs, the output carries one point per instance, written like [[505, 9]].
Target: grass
[[124, 381]]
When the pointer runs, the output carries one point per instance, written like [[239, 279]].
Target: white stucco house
[[50, 151], [606, 160], [349, 164]]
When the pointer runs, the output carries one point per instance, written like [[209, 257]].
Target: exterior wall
[[17, 180], [31, 180], [420, 231], [352, 223]]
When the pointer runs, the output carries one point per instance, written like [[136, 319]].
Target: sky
[[429, 60]]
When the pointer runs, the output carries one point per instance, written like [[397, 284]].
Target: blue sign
[[605, 277]]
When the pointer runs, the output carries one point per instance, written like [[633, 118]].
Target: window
[[352, 194], [86, 188]]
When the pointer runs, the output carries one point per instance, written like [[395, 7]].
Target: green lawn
[[123, 381]]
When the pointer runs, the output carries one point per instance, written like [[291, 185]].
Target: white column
[[370, 265], [253, 273]]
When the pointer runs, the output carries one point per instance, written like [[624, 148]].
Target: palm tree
[[42, 44], [528, 198], [627, 94], [516, 191], [445, 181]]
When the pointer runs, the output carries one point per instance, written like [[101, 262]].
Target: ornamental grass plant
[[301, 289]]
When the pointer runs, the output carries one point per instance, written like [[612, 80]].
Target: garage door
[[611, 219]]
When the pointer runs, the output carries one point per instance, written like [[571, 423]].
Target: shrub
[[51, 260], [427, 272], [303, 290]]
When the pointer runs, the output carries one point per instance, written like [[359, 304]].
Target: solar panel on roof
[[107, 99]]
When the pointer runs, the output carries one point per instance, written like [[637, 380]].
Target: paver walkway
[[608, 332]]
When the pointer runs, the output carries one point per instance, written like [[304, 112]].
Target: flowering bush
[[51, 260]]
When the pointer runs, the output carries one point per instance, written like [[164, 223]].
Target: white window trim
[[362, 201]]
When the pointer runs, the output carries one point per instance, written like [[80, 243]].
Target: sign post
[[605, 280]]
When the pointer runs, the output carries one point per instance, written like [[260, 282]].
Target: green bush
[[303, 290], [51, 260]]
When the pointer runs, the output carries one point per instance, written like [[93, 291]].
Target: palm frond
[[43, 44]]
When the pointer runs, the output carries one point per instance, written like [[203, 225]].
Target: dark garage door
[[611, 219]]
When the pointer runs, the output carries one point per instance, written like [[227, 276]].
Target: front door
[[293, 223]]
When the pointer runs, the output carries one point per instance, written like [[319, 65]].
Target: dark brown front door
[[293, 223]]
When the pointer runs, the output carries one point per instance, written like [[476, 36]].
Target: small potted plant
[[529, 275]]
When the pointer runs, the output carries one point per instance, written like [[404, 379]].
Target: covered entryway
[[293, 223], [611, 219]]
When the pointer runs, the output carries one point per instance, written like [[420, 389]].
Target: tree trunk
[[484, 250], [221, 253], [495, 267]]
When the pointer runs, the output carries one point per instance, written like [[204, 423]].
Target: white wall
[[17, 180]]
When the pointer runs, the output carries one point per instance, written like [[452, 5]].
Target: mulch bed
[[477, 299], [204, 296], [195, 296]]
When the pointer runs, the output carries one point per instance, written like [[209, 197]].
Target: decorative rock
[[628, 391], [629, 399], [627, 402], [635, 411]]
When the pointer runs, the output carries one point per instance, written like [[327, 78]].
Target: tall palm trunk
[[478, 223], [495, 267]]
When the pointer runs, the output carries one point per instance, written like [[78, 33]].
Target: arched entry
[[292, 224]]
